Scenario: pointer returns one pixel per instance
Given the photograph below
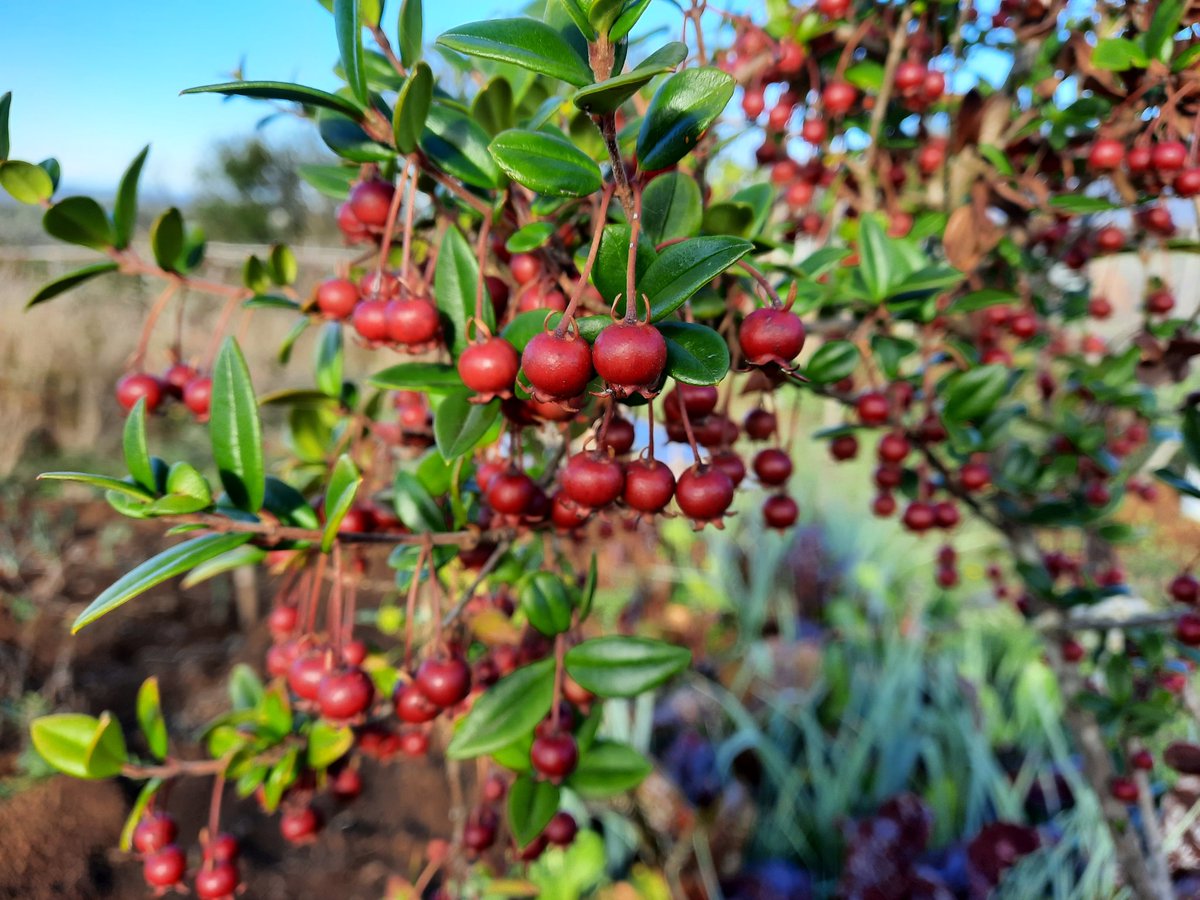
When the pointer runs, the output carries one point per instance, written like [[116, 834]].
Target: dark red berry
[[1142, 760], [729, 462], [649, 485], [974, 476], [873, 409], [510, 492], [197, 396], [770, 335], [698, 400], [444, 682], [919, 516], [558, 367], [412, 706], [306, 673], [618, 436], [1124, 789], [772, 466], [218, 881], [566, 514], [760, 424], [1072, 651], [370, 202], [137, 385], [490, 368], [630, 357], [1185, 588], [223, 848], [346, 785], [300, 825], [593, 480], [893, 448], [1100, 308], [884, 506], [1187, 182], [282, 620], [414, 744], [175, 379], [412, 323], [345, 694], [780, 511], [554, 755], [561, 830], [704, 493], [165, 868], [337, 297], [1187, 629], [1159, 303], [153, 832], [843, 447], [838, 97], [945, 514]]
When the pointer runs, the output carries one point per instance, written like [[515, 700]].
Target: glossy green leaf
[[508, 710], [531, 806], [64, 283], [1177, 482], [239, 558], [348, 25], [1080, 203], [823, 260], [103, 482], [1160, 36], [415, 506], [695, 353], [330, 355], [1189, 428], [459, 146], [140, 805], [531, 237], [832, 362], [411, 28], [167, 238], [282, 265], [684, 268], [579, 16], [981, 299], [973, 394], [137, 452], [672, 207], [344, 483], [608, 96], [125, 206], [875, 258], [235, 431], [621, 666], [546, 163], [927, 279], [5, 106], [328, 743], [25, 182], [349, 140], [628, 18], [681, 112], [412, 108], [546, 602], [612, 261], [281, 90], [281, 777], [494, 106], [332, 181], [456, 283], [459, 424], [79, 220], [1118, 54], [417, 376], [288, 505], [81, 746], [168, 564], [522, 42], [53, 169], [150, 718], [245, 687], [608, 768]]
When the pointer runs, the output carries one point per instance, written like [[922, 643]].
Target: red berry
[[1143, 760], [780, 511], [370, 320], [704, 493], [919, 516], [945, 514], [554, 756], [135, 386], [1185, 588], [834, 9], [561, 830], [843, 447], [649, 486], [525, 268], [306, 673], [412, 322], [698, 400], [729, 462], [223, 848], [753, 103], [566, 514], [153, 832], [593, 480], [511, 492], [1187, 629], [1187, 182], [175, 379], [873, 409], [773, 466], [1072, 651], [337, 297], [414, 743], [1106, 154], [893, 447], [884, 505], [974, 476], [217, 882], [197, 396], [346, 785], [618, 436], [370, 202], [558, 367], [1110, 239], [345, 694], [1138, 158], [300, 825], [1124, 789], [630, 356], [490, 368], [539, 296], [353, 231], [838, 97], [282, 620], [1097, 494], [1100, 308], [1160, 302], [934, 86], [770, 335], [814, 131], [909, 76], [165, 868], [1168, 156], [444, 682], [760, 424]]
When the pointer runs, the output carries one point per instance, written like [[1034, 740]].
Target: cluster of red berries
[[180, 382], [483, 825], [164, 862]]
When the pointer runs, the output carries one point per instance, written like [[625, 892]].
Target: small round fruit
[[838, 97], [175, 379], [561, 830], [346, 785], [649, 486], [704, 493], [217, 882], [1142, 760], [165, 868], [1185, 588], [974, 476], [1106, 154], [730, 462], [223, 848], [370, 320], [554, 756], [873, 408], [843, 447], [1100, 308], [780, 511], [414, 744], [593, 480], [412, 706], [919, 517], [1072, 651], [306, 673], [300, 825], [1124, 789], [1160, 302], [510, 492], [444, 682], [197, 396], [769, 335], [893, 448], [698, 400], [945, 514], [760, 424], [525, 268], [337, 297], [618, 436], [1187, 182], [884, 505], [412, 322], [773, 466], [630, 357], [1168, 156], [490, 368], [558, 367], [153, 832], [566, 514], [345, 694], [371, 200], [136, 386]]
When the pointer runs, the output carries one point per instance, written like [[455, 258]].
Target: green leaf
[[1118, 54], [79, 220], [330, 355], [973, 394], [81, 746], [546, 163], [1078, 203], [415, 506], [283, 775], [455, 284], [608, 768], [546, 602], [125, 206], [680, 113], [282, 265], [140, 805], [150, 718], [25, 182], [245, 688], [103, 482], [522, 42], [832, 362], [695, 353], [981, 299], [876, 260], [166, 239], [608, 96], [344, 482], [684, 268], [235, 430], [672, 207], [137, 452], [417, 376], [1160, 36], [64, 283], [348, 23], [531, 237], [412, 108], [288, 504], [246, 555], [459, 146], [493, 106], [1190, 429], [281, 90], [821, 261], [459, 424], [929, 278], [1177, 482], [531, 806], [5, 106], [411, 29], [1186, 60], [328, 743], [508, 710], [588, 593], [628, 18], [332, 181], [866, 75], [612, 261], [620, 666], [154, 571], [349, 140]]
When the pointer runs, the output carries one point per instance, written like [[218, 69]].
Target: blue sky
[[93, 82]]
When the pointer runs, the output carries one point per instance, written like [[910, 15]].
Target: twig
[[895, 49]]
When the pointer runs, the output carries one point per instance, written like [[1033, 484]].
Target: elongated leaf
[[328, 743], [459, 424], [822, 261], [531, 237], [875, 258], [349, 140], [531, 806], [348, 24], [235, 430], [137, 453], [125, 207], [81, 746], [415, 506], [25, 182], [459, 146], [579, 16], [681, 112], [282, 90], [239, 558], [546, 602], [330, 356], [624, 666], [973, 394], [509, 709], [1160, 36], [64, 283], [546, 163], [417, 376], [332, 181], [412, 108], [79, 220], [167, 239], [695, 353], [522, 42], [150, 718], [339, 497], [672, 207], [455, 284], [982, 299], [684, 268], [145, 795], [612, 260], [608, 768], [608, 96], [411, 28], [628, 18], [168, 564], [832, 362], [5, 106]]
